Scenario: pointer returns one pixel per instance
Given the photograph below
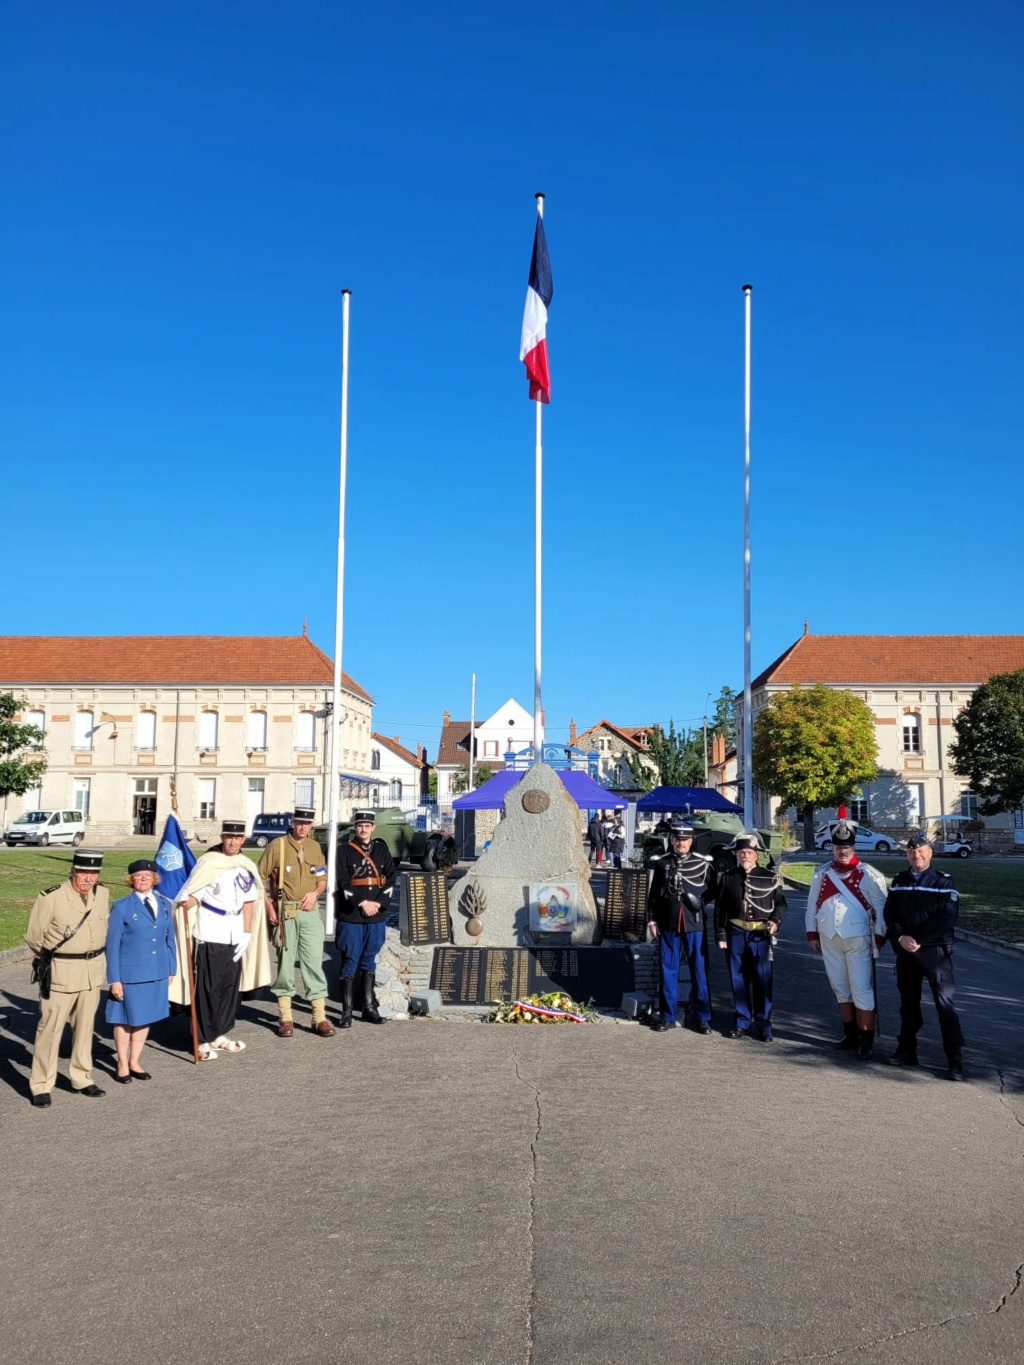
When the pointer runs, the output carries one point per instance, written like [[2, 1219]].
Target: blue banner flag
[[175, 859]]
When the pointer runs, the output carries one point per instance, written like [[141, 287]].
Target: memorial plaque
[[423, 916], [625, 904], [483, 976], [536, 802]]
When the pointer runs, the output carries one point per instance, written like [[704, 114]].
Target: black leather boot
[[371, 1015], [865, 1045], [347, 988], [849, 1039]]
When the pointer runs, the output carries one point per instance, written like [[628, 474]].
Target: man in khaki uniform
[[295, 876], [71, 919]]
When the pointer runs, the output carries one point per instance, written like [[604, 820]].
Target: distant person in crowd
[[229, 941], [749, 908], [684, 882], [846, 926], [67, 931], [616, 840], [920, 913], [294, 874], [141, 959], [595, 834], [366, 880]]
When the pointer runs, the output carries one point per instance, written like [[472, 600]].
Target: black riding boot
[[347, 987], [865, 1044], [849, 1039], [371, 1015]]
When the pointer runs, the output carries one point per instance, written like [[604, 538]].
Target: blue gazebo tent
[[587, 793], [686, 799]]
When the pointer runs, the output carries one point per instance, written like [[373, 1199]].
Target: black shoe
[[903, 1056], [42, 1100], [140, 1075], [702, 1026], [123, 1080], [370, 1012], [92, 1092], [765, 1035], [346, 989], [849, 1040], [738, 1033], [956, 1069], [663, 1025], [865, 1044]]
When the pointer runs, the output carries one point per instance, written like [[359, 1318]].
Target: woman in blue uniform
[[140, 963]]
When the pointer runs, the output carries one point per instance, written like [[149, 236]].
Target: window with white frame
[[207, 798], [912, 734], [82, 790], [83, 730], [969, 805], [490, 748], [304, 791], [258, 730], [32, 797], [146, 730], [857, 808], [208, 730], [38, 719], [305, 732], [396, 789], [375, 760]]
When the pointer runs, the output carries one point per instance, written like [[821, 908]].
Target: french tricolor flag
[[533, 349]]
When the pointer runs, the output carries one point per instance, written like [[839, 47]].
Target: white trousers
[[848, 963]]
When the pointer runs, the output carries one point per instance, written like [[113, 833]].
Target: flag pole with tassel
[[339, 624]]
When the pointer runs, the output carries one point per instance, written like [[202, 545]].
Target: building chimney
[[397, 740], [419, 751], [572, 729], [446, 719], [807, 626]]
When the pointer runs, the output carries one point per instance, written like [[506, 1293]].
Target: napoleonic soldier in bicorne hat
[[684, 883], [846, 926], [749, 908], [294, 878], [366, 880], [920, 914], [68, 925]]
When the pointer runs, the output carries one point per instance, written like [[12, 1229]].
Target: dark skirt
[[218, 978], [144, 1003]]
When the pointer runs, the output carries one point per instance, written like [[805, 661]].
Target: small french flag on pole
[[533, 349]]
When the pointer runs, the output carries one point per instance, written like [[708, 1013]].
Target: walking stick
[[191, 987]]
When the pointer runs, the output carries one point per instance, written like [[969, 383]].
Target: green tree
[[989, 745], [460, 779], [814, 747], [432, 783], [679, 758], [724, 720], [21, 763]]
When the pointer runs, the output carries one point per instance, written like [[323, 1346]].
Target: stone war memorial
[[523, 920]]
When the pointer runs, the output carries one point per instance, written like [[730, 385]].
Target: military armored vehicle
[[713, 831], [432, 850]]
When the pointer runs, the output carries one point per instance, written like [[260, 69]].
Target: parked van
[[46, 827]]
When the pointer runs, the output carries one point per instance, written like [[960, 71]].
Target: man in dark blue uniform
[[920, 912], [684, 882], [366, 879], [749, 907]]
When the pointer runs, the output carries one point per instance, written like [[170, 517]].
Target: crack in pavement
[[1003, 1100], [531, 1297]]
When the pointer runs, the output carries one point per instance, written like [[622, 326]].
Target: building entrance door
[[144, 806], [257, 789]]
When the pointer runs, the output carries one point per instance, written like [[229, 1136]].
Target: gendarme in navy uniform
[[683, 884], [366, 880], [749, 907], [920, 913]]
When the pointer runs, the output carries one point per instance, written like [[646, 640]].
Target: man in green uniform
[[69, 921], [295, 875]]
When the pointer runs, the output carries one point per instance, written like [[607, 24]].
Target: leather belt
[[367, 881], [751, 925], [79, 957]]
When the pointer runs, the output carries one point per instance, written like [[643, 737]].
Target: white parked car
[[867, 840], [46, 827]]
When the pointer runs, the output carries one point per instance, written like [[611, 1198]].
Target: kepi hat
[[362, 815], [232, 828], [303, 815], [680, 829], [87, 860]]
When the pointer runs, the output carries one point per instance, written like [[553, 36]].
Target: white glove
[[244, 942]]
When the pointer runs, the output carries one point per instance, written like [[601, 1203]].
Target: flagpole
[[748, 727], [472, 731], [339, 623], [538, 470]]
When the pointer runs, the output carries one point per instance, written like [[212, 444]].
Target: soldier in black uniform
[[749, 907], [920, 912], [366, 879], [683, 883]]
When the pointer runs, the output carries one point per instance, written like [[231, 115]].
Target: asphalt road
[[464, 1193]]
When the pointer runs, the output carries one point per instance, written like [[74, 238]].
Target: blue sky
[[189, 186]]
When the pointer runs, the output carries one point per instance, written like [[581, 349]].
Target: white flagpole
[[339, 623], [748, 726], [538, 467], [472, 731]]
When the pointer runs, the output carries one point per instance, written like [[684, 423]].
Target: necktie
[[147, 902]]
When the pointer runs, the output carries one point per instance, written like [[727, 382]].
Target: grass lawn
[[991, 893], [24, 872]]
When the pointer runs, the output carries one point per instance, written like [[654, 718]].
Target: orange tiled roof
[[399, 750], [170, 660], [881, 659], [630, 736]]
